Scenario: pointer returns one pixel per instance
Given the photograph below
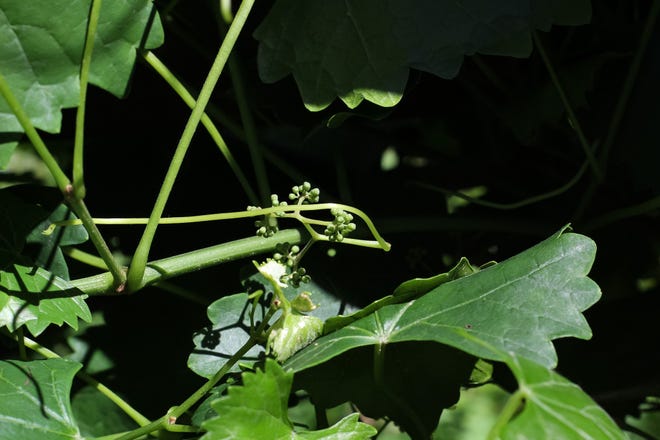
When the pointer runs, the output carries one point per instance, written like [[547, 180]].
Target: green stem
[[139, 262], [510, 409], [249, 125], [379, 242], [78, 143], [49, 354], [188, 99], [61, 180], [117, 272], [175, 413], [199, 259], [575, 123]]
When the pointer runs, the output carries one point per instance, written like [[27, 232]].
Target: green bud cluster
[[342, 225], [267, 226], [305, 193], [285, 254], [296, 277]]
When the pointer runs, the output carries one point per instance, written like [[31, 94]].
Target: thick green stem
[[188, 99], [139, 262], [164, 269], [575, 123], [78, 143]]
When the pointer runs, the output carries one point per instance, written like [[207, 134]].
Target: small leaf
[[556, 408], [229, 331], [258, 410], [38, 298], [35, 400]]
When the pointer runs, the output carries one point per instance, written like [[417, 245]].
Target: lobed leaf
[[517, 306], [35, 401], [556, 408], [429, 344], [363, 50], [258, 409], [36, 298], [41, 44]]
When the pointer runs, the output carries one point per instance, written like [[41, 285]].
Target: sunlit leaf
[[258, 409], [515, 307], [35, 400], [556, 408], [545, 288], [37, 298], [40, 56]]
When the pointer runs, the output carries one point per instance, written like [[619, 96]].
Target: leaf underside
[[359, 50]]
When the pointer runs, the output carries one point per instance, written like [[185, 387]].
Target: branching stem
[[139, 262]]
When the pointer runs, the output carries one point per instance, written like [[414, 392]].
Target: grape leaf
[[229, 331], [35, 400], [556, 408], [517, 306], [258, 409], [37, 298], [363, 50], [40, 57]]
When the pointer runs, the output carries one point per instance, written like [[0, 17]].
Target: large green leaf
[[516, 306], [41, 43], [37, 298], [359, 50], [258, 409], [35, 400], [555, 408]]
